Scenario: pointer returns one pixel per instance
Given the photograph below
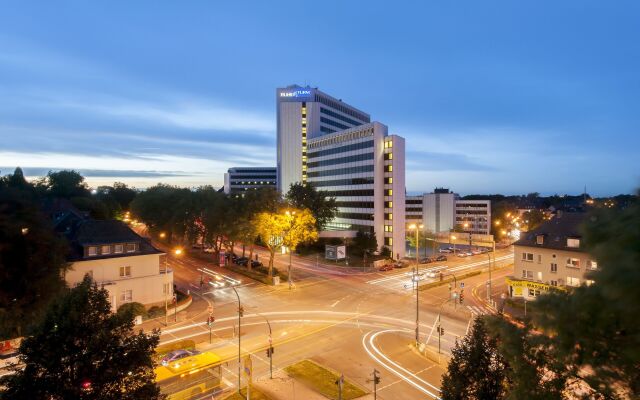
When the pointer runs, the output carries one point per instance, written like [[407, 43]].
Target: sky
[[492, 96]]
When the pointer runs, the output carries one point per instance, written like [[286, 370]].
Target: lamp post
[[270, 350], [239, 334], [416, 279], [453, 239], [291, 215]]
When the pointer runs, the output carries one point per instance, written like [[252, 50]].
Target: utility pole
[[415, 279], [340, 383]]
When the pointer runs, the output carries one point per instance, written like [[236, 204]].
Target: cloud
[[102, 173]]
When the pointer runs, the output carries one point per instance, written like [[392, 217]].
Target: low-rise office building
[[240, 179], [118, 260], [363, 168], [444, 211], [551, 257]]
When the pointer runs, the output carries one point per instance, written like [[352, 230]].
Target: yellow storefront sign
[[518, 285]]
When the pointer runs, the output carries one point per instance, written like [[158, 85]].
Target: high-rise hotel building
[[327, 143]]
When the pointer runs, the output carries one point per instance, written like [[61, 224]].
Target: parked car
[[386, 267], [244, 261], [444, 251], [441, 258], [469, 253], [426, 260], [462, 254], [476, 252], [209, 250], [255, 264], [176, 355]]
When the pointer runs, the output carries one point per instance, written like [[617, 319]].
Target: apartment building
[[551, 257], [238, 180], [364, 169], [118, 259]]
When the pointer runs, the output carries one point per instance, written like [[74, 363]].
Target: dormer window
[[540, 239], [573, 242], [131, 247], [92, 251], [118, 248], [106, 249]]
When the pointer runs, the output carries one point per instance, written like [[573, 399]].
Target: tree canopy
[[307, 196], [81, 350]]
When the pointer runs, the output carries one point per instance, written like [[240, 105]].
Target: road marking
[[395, 367]]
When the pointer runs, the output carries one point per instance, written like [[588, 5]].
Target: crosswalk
[[481, 310]]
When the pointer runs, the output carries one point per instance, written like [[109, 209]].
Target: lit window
[[553, 283], [125, 271], [388, 204], [105, 249], [390, 156], [389, 168], [554, 267], [592, 264], [388, 180], [573, 262], [571, 281], [388, 144], [388, 228], [92, 251], [118, 249], [572, 242], [389, 192], [130, 248]]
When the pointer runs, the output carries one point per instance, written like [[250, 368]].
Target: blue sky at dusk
[[492, 96]]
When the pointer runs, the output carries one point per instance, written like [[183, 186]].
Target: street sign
[[461, 284]]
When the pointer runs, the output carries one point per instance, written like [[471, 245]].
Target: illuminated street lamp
[[177, 251], [497, 222], [415, 278], [453, 239], [291, 215], [162, 235]]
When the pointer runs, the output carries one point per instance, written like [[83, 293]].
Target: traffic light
[[269, 352], [461, 295], [241, 311], [376, 377]]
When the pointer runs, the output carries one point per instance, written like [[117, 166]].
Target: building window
[[527, 274], [388, 216], [388, 168], [589, 282], [572, 242], [125, 271], [539, 258], [571, 281], [388, 144], [527, 256], [388, 204], [118, 249], [126, 296], [105, 249], [131, 247], [534, 293], [553, 283], [92, 251], [388, 156], [573, 262], [388, 241], [554, 267], [388, 180], [389, 192], [166, 289], [540, 239], [388, 228], [592, 264]]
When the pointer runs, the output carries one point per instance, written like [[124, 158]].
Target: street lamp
[[291, 215], [177, 251], [240, 311], [415, 278], [162, 235], [270, 350], [453, 239], [166, 290]]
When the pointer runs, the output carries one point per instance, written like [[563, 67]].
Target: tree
[[81, 350], [123, 194], [32, 261], [66, 184], [476, 370], [364, 242], [284, 229], [534, 218], [307, 196], [595, 328]]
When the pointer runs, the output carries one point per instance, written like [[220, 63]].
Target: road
[[347, 320]]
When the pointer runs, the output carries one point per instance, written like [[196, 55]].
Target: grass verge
[[323, 380], [255, 395]]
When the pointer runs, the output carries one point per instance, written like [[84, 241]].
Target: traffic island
[[323, 380]]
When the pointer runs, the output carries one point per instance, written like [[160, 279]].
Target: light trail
[[394, 367]]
